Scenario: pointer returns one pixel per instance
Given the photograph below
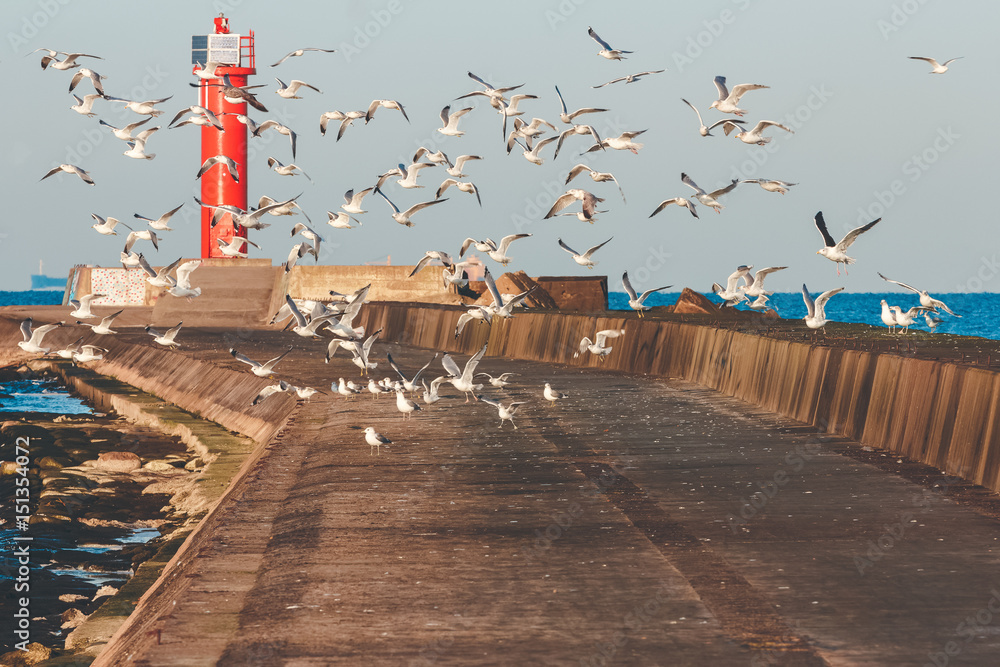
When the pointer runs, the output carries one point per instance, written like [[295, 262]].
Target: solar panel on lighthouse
[[222, 49]]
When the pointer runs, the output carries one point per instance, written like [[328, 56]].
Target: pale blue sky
[[838, 72]]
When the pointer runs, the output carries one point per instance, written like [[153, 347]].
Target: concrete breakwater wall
[[940, 413]]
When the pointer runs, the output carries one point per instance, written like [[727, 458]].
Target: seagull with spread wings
[[583, 259], [635, 301], [926, 299], [629, 78], [815, 310], [728, 102], [300, 52], [835, 252], [606, 50], [936, 67]]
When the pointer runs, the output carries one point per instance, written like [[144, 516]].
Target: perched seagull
[[183, 287], [755, 135], [165, 339], [260, 370], [500, 381], [405, 405], [305, 393], [69, 62], [346, 120], [816, 316], [281, 388], [567, 118], [622, 142], [340, 220], [835, 252], [430, 256], [286, 170], [463, 186], [141, 235], [280, 129], [598, 345], [85, 106], [733, 293], [104, 328], [385, 104], [551, 395], [220, 159], [680, 201], [95, 79], [232, 248], [755, 283], [450, 120], [925, 298], [352, 201], [161, 223], [403, 217], [936, 67], [728, 102], [288, 92], [375, 440], [462, 379], [456, 169], [706, 131], [505, 413], [596, 176], [589, 200], [88, 353], [125, 133], [498, 253], [583, 259], [161, 278], [376, 389], [578, 129], [299, 52], [410, 384], [709, 198], [888, 317], [781, 187], [107, 227], [474, 313], [81, 307], [630, 78], [144, 108], [635, 301], [70, 169], [33, 339], [531, 154], [606, 50]]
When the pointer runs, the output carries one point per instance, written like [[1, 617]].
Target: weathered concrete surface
[[651, 545]]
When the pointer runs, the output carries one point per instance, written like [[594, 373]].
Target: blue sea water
[[42, 297], [39, 395], [979, 311]]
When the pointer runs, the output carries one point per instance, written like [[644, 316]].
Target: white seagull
[[300, 52], [107, 226], [462, 379], [104, 328], [755, 283], [679, 201], [629, 78], [463, 186], [936, 67], [551, 395], [589, 200], [166, 339], [280, 129], [281, 388], [286, 170], [734, 293], [125, 133], [606, 50], [340, 220], [403, 217], [144, 108], [450, 120], [754, 135], [596, 176], [384, 104], [835, 252], [583, 259], [909, 317], [706, 131], [505, 413], [781, 187], [229, 163], [33, 339], [405, 405], [81, 307], [161, 278], [183, 287], [346, 120], [888, 317], [409, 384], [288, 91], [70, 169], [926, 299], [261, 370], [598, 346], [85, 106], [352, 201], [635, 301], [566, 117], [375, 440], [161, 223], [816, 316], [728, 102], [456, 169], [499, 252], [709, 198]]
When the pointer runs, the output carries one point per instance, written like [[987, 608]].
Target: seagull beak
[[817, 252]]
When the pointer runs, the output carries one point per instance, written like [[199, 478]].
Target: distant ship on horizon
[[41, 281]]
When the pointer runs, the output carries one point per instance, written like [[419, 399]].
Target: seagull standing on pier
[[375, 440]]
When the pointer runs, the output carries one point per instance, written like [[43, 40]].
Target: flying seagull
[[33, 338], [566, 117], [835, 252], [261, 370], [706, 131], [299, 52], [636, 302], [606, 50], [583, 259], [70, 169], [629, 78], [936, 67], [926, 299], [680, 201], [708, 198], [596, 176], [728, 102], [505, 413], [217, 159]]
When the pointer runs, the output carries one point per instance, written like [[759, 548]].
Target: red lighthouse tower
[[235, 56]]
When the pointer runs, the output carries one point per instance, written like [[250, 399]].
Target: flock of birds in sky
[[310, 318]]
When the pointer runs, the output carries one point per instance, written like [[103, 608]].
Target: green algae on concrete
[[223, 453]]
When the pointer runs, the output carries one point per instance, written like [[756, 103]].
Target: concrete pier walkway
[[638, 522]]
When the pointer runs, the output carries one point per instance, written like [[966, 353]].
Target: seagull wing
[[245, 359], [821, 226], [720, 83], [933, 62], [823, 298], [591, 251], [425, 260], [721, 191], [470, 365], [852, 235], [507, 240], [576, 171], [810, 304], [686, 180], [421, 206], [651, 291], [627, 284], [562, 202], [300, 319], [568, 249], [912, 289], [596, 38], [742, 89], [562, 103], [450, 366], [603, 336], [492, 287]]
